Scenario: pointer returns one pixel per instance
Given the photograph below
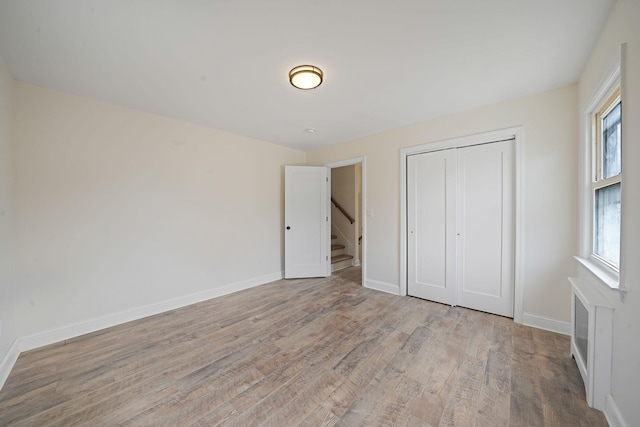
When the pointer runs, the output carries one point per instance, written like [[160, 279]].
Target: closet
[[460, 226]]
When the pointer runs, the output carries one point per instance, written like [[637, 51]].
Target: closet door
[[460, 227], [486, 228], [431, 229]]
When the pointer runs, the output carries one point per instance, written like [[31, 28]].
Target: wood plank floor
[[315, 352]]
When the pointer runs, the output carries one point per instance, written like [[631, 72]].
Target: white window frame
[[608, 274], [598, 181]]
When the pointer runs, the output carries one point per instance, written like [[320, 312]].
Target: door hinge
[[326, 258], [326, 218], [327, 179]]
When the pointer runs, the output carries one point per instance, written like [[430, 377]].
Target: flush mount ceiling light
[[305, 77]]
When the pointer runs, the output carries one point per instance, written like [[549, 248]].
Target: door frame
[[515, 133], [363, 217]]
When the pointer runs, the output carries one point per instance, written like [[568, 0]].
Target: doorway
[[348, 224]]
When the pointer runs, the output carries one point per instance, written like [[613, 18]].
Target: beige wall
[[7, 320], [550, 180], [622, 26], [117, 209]]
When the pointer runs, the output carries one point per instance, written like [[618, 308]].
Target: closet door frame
[[516, 134]]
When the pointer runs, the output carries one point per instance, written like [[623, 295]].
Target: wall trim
[[377, 285], [608, 82], [9, 359], [546, 323], [612, 413], [73, 330]]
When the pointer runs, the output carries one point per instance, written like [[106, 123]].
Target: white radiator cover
[[592, 339]]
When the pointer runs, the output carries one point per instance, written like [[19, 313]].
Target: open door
[[306, 220]]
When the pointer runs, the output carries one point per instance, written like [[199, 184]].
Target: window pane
[[607, 224], [611, 143]]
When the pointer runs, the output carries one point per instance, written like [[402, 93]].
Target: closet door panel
[[485, 228], [431, 183]]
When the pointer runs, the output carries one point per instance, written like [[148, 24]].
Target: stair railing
[[341, 209]]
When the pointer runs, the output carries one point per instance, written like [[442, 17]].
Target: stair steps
[[336, 250], [339, 259]]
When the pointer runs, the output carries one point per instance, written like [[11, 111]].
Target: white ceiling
[[224, 63]]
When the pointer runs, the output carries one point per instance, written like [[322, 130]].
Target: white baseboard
[[91, 325], [377, 285], [547, 324], [74, 330], [9, 359], [612, 413]]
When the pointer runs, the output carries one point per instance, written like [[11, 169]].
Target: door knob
[[288, 228]]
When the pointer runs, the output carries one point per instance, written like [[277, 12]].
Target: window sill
[[604, 276]]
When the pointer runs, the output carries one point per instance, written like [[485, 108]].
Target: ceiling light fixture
[[305, 77]]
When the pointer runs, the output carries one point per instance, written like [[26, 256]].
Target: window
[[607, 181]]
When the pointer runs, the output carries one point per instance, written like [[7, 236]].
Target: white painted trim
[[91, 325], [516, 133], [463, 141], [612, 413], [80, 328], [346, 162], [377, 285], [404, 153], [547, 324], [9, 359], [518, 297], [611, 79], [363, 217], [603, 275]]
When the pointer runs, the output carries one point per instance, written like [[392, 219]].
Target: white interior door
[[306, 217], [460, 227], [485, 227], [431, 221]]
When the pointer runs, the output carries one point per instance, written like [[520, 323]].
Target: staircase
[[339, 259]]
